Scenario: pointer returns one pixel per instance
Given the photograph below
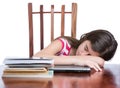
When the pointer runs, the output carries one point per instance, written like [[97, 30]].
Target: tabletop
[[108, 78]]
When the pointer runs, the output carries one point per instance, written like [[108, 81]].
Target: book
[[29, 74], [70, 68], [29, 65], [22, 61], [25, 70], [41, 72]]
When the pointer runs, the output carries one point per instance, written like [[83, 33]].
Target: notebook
[[70, 68], [24, 61]]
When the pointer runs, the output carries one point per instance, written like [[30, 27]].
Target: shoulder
[[54, 47], [68, 38], [62, 42], [72, 41]]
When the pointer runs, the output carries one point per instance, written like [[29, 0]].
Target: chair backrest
[[73, 13]]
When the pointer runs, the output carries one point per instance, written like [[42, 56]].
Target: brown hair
[[102, 41]]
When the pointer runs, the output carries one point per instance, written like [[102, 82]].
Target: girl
[[91, 50]]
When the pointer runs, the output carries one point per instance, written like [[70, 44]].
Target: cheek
[[79, 49]]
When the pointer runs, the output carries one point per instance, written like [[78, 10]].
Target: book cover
[[38, 74], [71, 68], [25, 70], [22, 61]]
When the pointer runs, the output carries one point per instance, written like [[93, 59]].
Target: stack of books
[[28, 67]]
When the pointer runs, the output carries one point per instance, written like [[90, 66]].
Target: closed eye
[[89, 54], [86, 48]]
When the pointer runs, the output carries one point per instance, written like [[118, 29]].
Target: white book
[[16, 61]]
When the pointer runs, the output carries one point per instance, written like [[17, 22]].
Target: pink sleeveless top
[[66, 47]]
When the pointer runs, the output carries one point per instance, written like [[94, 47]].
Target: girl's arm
[[50, 51], [93, 62]]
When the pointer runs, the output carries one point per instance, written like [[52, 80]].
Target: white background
[[92, 14]]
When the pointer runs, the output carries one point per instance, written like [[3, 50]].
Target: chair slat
[[62, 20], [41, 28], [31, 45], [74, 19], [52, 22]]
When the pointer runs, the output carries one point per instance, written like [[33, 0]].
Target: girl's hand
[[93, 65], [91, 61]]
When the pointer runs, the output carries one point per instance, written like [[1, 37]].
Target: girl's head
[[102, 42]]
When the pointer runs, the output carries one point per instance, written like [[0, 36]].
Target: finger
[[97, 67], [94, 67]]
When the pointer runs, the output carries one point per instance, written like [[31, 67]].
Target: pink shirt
[[66, 47]]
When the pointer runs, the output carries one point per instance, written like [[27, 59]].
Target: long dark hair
[[102, 41]]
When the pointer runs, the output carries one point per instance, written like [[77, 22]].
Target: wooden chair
[[73, 13]]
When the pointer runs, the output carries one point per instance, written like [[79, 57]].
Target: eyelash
[[86, 48]]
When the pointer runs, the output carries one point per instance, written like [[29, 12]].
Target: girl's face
[[85, 49]]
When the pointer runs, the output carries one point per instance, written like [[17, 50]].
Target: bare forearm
[[61, 59], [74, 59], [91, 61]]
